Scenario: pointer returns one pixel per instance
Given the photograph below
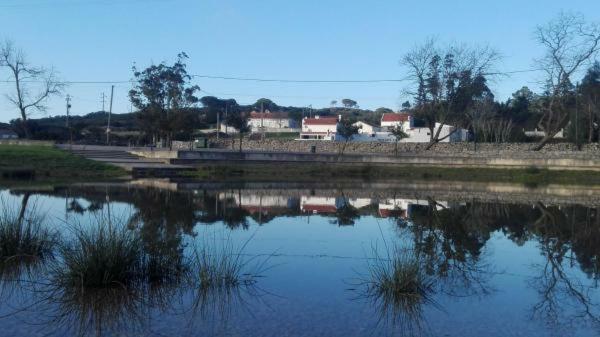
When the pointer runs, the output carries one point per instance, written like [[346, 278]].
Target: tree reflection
[[345, 213], [450, 244], [567, 237]]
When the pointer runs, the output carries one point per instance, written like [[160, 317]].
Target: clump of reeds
[[224, 276], [101, 255], [220, 266], [25, 241], [399, 287]]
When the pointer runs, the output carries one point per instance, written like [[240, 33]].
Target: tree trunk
[[431, 144], [25, 124], [544, 141], [241, 136], [23, 209], [591, 123]]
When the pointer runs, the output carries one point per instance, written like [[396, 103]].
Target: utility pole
[[103, 98], [218, 124], [577, 145], [262, 118], [226, 108], [68, 99], [112, 90]]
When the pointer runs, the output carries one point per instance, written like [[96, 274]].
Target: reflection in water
[[187, 276], [26, 244]]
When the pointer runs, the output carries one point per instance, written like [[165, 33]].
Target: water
[[518, 262]]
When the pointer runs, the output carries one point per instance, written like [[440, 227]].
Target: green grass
[[340, 172], [45, 162]]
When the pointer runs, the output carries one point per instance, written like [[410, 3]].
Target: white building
[[319, 128], [271, 122], [367, 128], [318, 205], [389, 120], [8, 134]]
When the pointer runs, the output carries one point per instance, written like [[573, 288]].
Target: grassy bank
[[46, 163], [314, 171]]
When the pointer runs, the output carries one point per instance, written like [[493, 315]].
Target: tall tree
[[162, 94], [349, 103], [264, 104], [399, 134], [347, 130], [590, 100], [239, 121], [447, 82], [570, 43], [33, 85]]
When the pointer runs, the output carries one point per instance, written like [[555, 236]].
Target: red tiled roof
[[319, 208], [394, 117], [386, 213], [269, 115], [320, 121]]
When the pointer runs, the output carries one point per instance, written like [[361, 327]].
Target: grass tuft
[[24, 240], [399, 288], [102, 255]]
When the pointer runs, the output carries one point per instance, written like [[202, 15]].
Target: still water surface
[[497, 268]]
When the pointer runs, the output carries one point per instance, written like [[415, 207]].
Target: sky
[[100, 41]]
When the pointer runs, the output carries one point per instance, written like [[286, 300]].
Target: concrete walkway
[[120, 156]]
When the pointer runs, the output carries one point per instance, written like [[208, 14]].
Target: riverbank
[[340, 172], [19, 162]]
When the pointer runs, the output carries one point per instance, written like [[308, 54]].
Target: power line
[[279, 80], [297, 81], [78, 3]]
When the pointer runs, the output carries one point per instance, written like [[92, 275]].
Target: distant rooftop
[[320, 121], [395, 117]]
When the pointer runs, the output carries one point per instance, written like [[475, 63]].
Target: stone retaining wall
[[513, 150]]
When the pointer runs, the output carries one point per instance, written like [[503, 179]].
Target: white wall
[[270, 123]]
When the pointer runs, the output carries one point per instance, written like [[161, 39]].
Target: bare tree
[[33, 85], [570, 44], [447, 81]]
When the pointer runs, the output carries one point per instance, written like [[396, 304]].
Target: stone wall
[[513, 150]]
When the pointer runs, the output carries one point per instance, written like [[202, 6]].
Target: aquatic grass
[[398, 286], [224, 277], [25, 240], [399, 278], [107, 253], [103, 254]]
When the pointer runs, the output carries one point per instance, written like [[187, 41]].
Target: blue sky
[[99, 40]]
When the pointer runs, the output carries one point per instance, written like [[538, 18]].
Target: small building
[[8, 134], [271, 122], [322, 128], [389, 120], [367, 128], [318, 205]]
